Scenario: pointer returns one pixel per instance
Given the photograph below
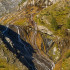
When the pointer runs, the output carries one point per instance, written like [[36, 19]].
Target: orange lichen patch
[[64, 57], [44, 49], [34, 40], [1, 19], [58, 65], [32, 10], [19, 21], [39, 41], [30, 38], [8, 20]]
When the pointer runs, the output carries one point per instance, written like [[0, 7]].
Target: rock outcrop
[[8, 6], [40, 3], [28, 38]]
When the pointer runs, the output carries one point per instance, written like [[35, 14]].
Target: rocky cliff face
[[36, 38], [41, 3], [8, 6], [27, 48]]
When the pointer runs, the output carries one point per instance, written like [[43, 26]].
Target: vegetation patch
[[54, 53], [59, 22]]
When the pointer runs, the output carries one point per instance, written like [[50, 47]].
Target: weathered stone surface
[[7, 6]]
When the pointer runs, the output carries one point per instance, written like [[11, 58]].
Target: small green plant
[[68, 23], [54, 24], [1, 66], [67, 55], [66, 64]]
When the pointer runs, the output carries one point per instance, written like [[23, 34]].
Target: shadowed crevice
[[22, 49]]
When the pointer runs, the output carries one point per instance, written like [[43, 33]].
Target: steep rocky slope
[[9, 6], [36, 38]]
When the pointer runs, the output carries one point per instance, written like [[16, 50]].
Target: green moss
[[6, 66], [67, 54], [66, 61], [54, 24], [68, 23], [66, 64], [60, 12]]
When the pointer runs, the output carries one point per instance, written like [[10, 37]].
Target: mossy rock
[[66, 64], [54, 53], [6, 66]]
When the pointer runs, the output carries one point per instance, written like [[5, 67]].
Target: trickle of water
[[19, 39], [5, 29]]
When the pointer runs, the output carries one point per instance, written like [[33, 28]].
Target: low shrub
[[68, 23], [54, 24]]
